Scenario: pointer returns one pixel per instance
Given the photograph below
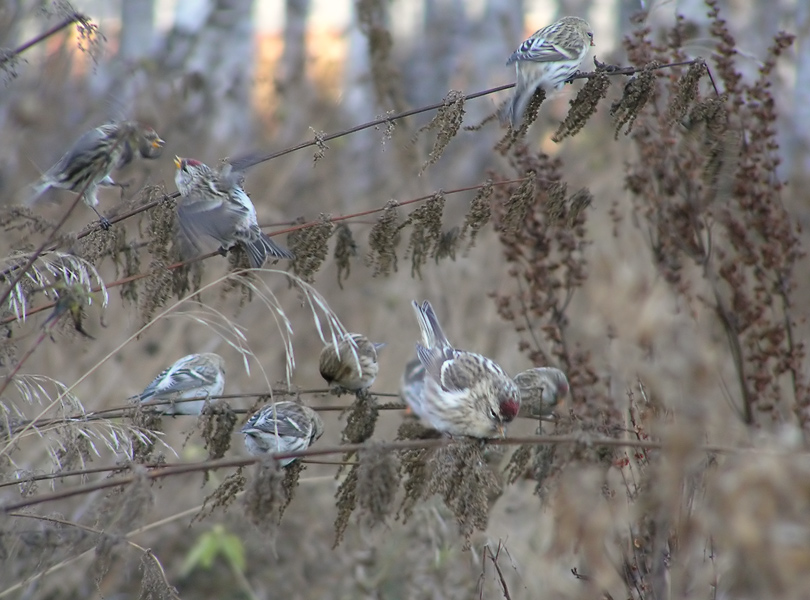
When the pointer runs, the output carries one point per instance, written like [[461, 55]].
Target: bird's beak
[[379, 346], [158, 143], [178, 162], [501, 431]]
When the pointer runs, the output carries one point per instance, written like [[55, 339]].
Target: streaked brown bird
[[195, 375], [465, 394], [547, 59], [213, 204], [541, 389], [352, 365], [91, 159], [282, 427]]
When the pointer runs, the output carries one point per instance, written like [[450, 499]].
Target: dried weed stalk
[[377, 482], [216, 424], [712, 205], [310, 247], [426, 232], [345, 252], [384, 239], [446, 123], [265, 495]]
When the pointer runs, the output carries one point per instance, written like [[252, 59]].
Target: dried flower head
[[345, 251], [447, 122], [383, 240], [310, 247], [426, 232]]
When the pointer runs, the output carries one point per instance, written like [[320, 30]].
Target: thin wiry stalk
[[263, 292], [184, 469], [75, 17], [143, 529], [180, 264], [49, 268], [45, 245]]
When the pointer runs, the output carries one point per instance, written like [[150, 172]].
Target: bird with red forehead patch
[[465, 394], [213, 204]]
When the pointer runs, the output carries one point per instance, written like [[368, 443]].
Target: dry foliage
[[627, 500]]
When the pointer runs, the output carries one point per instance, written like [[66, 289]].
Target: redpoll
[[540, 390], [213, 204], [352, 366], [193, 376], [549, 58], [94, 155], [412, 386], [465, 393], [282, 427]]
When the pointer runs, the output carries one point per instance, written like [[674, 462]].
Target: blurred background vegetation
[[668, 283]]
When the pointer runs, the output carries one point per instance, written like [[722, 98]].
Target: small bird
[[282, 427], [91, 159], [547, 59], [213, 203], [412, 386], [540, 390], [465, 394], [195, 375], [353, 365]]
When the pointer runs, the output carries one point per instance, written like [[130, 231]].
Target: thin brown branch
[[182, 469], [180, 264], [75, 17]]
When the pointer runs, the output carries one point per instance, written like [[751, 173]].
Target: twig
[[185, 263], [43, 36], [182, 469]]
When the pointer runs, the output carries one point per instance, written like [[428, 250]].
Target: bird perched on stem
[[540, 390], [193, 376], [282, 427], [90, 160], [352, 365], [465, 394], [549, 58], [213, 203]]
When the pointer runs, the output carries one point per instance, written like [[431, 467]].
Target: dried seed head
[[416, 471], [224, 495], [320, 145], [686, 91], [310, 247], [383, 240], [377, 482], [346, 503], [448, 244], [361, 420], [216, 423], [345, 250], [556, 206], [479, 215], [517, 206], [462, 477], [583, 107], [447, 122], [426, 232], [637, 92], [265, 495]]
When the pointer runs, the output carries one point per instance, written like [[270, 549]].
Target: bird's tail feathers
[[432, 334], [259, 250]]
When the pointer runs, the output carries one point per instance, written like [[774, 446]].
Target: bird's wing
[[542, 49], [283, 424], [176, 380], [198, 216]]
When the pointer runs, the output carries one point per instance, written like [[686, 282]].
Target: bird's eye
[[590, 36], [494, 415]]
